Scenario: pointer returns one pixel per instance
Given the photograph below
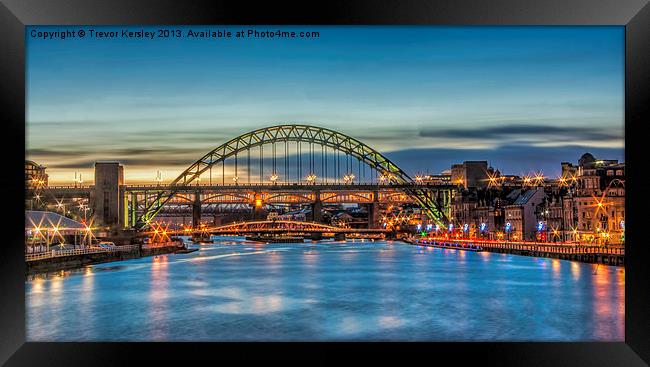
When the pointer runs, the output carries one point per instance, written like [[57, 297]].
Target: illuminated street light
[[274, 177], [311, 178]]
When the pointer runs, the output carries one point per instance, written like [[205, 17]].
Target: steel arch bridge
[[338, 142]]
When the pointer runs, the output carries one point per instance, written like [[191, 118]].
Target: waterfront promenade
[[601, 254], [56, 260]]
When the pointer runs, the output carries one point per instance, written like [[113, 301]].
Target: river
[[235, 290]]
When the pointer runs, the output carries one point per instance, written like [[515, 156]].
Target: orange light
[[258, 203]]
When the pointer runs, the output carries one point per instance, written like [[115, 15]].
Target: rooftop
[[50, 220]]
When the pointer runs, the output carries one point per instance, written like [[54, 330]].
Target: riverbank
[[580, 253], [75, 261]]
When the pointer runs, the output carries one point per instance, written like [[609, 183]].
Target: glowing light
[[258, 203], [311, 177], [465, 227], [235, 179], [274, 177], [508, 226], [483, 227]]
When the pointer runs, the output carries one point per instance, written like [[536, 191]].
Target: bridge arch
[[297, 133]]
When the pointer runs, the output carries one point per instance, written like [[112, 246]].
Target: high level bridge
[[272, 166]]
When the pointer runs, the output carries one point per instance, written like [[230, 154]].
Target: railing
[[559, 249], [65, 187], [93, 250], [540, 247]]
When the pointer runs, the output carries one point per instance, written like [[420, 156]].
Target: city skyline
[[523, 98]]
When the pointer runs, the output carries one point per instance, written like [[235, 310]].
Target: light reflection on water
[[333, 291]]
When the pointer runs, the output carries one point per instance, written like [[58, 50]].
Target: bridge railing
[[280, 184], [66, 187]]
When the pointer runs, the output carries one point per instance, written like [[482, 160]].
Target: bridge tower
[[106, 196]]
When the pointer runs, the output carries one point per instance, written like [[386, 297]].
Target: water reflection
[[158, 294], [329, 291]]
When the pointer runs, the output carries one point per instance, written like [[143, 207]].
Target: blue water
[[329, 291]]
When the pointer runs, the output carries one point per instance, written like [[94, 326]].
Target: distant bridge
[[271, 227]]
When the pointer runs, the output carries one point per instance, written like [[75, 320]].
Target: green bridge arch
[[296, 133]]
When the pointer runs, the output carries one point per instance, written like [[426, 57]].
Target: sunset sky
[[523, 98]]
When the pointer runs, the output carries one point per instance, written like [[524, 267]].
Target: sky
[[522, 98]]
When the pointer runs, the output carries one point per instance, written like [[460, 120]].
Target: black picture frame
[[15, 14]]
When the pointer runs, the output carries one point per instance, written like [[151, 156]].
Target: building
[[45, 230], [551, 215], [35, 176], [520, 216], [470, 174], [442, 179], [598, 201]]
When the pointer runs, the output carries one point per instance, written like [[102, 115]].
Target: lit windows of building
[[35, 176]]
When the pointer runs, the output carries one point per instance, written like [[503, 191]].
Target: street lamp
[[159, 178], [274, 177], [311, 178]]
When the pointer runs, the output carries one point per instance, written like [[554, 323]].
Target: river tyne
[[234, 290]]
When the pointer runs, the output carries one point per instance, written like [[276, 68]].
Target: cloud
[[525, 132]]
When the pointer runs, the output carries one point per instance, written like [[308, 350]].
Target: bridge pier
[[257, 207], [317, 208], [339, 236], [196, 210], [316, 236], [373, 211]]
